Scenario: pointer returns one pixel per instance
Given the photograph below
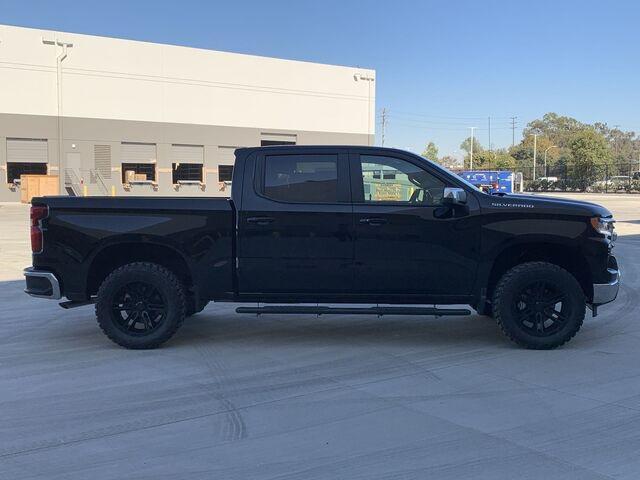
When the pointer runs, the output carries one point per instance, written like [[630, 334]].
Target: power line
[[461, 117], [433, 122]]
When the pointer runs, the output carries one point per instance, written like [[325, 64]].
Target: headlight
[[604, 226]]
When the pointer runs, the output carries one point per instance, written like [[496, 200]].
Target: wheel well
[[562, 256], [121, 254]]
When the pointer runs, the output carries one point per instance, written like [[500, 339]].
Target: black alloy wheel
[[539, 305], [140, 305], [139, 308], [541, 308]]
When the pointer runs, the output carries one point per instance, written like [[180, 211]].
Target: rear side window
[[301, 178]]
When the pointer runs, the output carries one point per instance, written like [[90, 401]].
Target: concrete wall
[[81, 134], [107, 91]]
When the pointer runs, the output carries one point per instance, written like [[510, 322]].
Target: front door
[[295, 227], [409, 242]]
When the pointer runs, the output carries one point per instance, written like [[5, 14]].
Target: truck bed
[[81, 230]]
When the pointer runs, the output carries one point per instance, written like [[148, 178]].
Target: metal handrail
[[100, 181], [72, 181]]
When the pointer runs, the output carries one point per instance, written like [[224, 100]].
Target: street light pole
[[471, 149], [535, 151], [59, 59], [545, 158]]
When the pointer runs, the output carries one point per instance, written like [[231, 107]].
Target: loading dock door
[[27, 150]]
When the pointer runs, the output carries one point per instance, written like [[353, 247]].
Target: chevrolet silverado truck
[[380, 228]]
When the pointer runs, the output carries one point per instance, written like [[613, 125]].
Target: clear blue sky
[[441, 65]]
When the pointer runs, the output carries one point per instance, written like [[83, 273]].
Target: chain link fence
[[618, 178]]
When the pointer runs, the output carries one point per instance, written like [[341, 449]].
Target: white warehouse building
[[139, 118]]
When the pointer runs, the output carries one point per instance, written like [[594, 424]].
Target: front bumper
[[607, 292], [42, 284]]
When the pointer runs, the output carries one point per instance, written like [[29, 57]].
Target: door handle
[[374, 222], [261, 220]]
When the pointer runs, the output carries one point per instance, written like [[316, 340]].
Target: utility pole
[[489, 118], [513, 131], [384, 123], [535, 151], [471, 149]]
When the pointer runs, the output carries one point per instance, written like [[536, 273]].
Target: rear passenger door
[[295, 227]]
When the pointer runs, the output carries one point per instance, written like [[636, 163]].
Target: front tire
[[140, 305], [539, 305]]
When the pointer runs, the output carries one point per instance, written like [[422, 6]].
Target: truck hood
[[554, 205]]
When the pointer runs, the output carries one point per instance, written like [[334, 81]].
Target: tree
[[625, 146], [589, 150], [523, 154], [558, 129], [504, 161], [477, 150], [466, 145], [449, 162], [430, 152], [496, 160]]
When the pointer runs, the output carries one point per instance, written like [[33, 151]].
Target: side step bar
[[295, 309], [73, 304]]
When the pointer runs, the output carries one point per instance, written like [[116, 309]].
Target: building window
[[186, 172], [15, 169], [301, 178], [270, 139], [138, 172], [269, 143], [225, 173]]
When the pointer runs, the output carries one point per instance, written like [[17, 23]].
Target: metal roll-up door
[[27, 150], [138, 152], [227, 155], [187, 153]]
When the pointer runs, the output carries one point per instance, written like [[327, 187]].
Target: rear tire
[[539, 305], [140, 305]]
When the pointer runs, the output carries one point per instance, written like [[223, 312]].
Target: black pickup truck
[[328, 225]]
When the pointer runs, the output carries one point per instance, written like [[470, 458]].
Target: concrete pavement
[[244, 397]]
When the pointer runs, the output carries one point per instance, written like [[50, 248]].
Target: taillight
[[38, 213]]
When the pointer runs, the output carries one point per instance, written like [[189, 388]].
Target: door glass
[[301, 178], [392, 180]]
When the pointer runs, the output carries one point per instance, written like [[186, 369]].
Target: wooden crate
[[38, 186]]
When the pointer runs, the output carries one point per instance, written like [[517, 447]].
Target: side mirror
[[455, 196]]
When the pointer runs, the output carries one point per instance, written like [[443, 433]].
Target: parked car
[[550, 180], [333, 225], [617, 182]]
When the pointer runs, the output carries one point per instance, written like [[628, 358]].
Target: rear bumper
[[42, 284], [607, 292]]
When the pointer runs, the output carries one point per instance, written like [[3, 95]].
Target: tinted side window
[[301, 178], [390, 179]]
